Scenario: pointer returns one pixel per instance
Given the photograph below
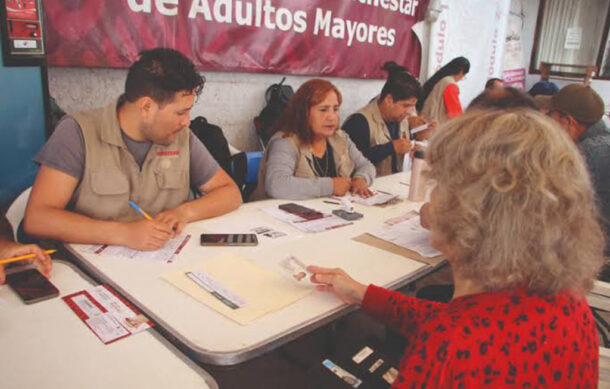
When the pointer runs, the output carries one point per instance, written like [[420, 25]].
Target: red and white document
[[106, 313]]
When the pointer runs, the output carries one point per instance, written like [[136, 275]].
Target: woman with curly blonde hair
[[513, 210]]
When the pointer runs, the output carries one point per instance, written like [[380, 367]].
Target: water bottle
[[417, 187]]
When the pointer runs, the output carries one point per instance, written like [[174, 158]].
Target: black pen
[[331, 202]]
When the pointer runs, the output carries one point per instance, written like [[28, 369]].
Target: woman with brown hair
[[513, 211], [309, 156]]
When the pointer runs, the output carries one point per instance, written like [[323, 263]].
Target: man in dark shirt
[[579, 110], [380, 129]]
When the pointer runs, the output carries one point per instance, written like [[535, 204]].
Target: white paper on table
[[131, 320], [263, 232], [167, 253], [281, 215], [400, 218], [410, 235], [106, 327], [376, 199], [327, 222]]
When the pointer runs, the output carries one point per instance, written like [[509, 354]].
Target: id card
[[295, 269], [390, 375], [346, 376]]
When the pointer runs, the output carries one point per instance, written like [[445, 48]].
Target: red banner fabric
[[343, 38]]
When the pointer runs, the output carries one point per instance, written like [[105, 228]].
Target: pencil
[[139, 210], [22, 257], [331, 202]]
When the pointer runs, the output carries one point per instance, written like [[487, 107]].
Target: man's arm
[[46, 217], [221, 196]]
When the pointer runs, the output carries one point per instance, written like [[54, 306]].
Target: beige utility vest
[[112, 177], [304, 167], [434, 106], [380, 134]]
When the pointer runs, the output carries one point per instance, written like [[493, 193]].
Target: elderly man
[[579, 110]]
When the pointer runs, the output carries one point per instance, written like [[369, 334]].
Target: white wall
[[230, 100], [530, 8]]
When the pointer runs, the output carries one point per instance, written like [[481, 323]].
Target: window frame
[[534, 67]]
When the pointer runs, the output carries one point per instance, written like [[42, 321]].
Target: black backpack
[[277, 97], [214, 140]]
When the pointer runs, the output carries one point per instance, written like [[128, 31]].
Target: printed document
[[410, 235], [167, 253]]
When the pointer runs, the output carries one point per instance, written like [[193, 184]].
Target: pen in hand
[[139, 210]]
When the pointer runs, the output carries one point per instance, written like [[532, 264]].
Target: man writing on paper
[[380, 129], [137, 148]]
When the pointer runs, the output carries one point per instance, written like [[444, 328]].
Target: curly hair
[[515, 203], [295, 118]]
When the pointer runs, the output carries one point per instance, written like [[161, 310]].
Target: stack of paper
[[410, 235]]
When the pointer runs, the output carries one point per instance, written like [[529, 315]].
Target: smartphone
[[299, 210], [343, 214], [31, 286], [229, 240]]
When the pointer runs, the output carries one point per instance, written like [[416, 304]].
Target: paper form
[[167, 253], [410, 235], [328, 222], [376, 199], [106, 314]]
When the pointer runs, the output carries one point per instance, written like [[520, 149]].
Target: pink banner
[[343, 38], [514, 78]]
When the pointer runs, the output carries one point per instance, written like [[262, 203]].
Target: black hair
[[490, 83], [160, 73], [401, 84], [506, 98], [455, 66]]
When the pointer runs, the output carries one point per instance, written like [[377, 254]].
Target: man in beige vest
[[138, 148], [380, 130]]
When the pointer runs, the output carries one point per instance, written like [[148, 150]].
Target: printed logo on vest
[[173, 153]]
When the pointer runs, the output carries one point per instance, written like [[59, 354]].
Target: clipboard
[[395, 249]]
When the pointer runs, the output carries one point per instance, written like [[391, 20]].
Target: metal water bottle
[[417, 187]]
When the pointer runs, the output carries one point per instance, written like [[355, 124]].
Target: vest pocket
[[171, 179], [109, 182]]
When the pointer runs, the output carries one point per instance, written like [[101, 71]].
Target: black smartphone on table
[[229, 240], [299, 210], [343, 214], [31, 286]]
